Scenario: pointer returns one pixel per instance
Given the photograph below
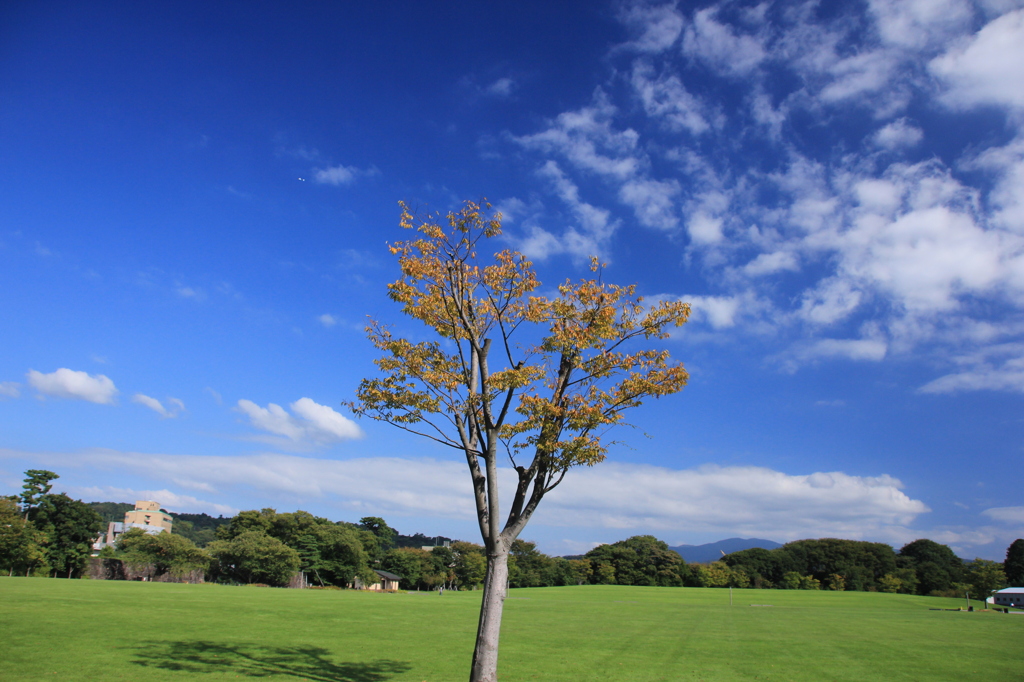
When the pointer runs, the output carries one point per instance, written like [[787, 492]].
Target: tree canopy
[[1013, 567], [639, 560], [511, 374]]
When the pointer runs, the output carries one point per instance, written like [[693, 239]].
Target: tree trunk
[[485, 655]]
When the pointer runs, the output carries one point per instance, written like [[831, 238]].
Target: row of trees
[[920, 567], [463, 565], [267, 547], [44, 533]]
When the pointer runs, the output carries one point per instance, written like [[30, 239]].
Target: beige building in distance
[[146, 515]]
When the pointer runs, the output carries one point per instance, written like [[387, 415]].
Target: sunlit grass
[[98, 630]]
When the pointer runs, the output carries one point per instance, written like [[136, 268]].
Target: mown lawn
[[99, 630]]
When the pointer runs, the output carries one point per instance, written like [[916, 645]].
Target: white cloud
[[719, 47], [729, 500], [770, 263], [586, 138], [705, 229], [539, 244], [1006, 514], [932, 251], [652, 202], [339, 175], [327, 320], [67, 383], [177, 406], [741, 500], [718, 311], [309, 422], [588, 141], [10, 389], [858, 75], [988, 69], [899, 133]]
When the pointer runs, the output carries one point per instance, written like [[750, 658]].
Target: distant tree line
[[920, 567]]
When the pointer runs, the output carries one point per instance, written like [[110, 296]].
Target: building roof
[[1011, 590], [388, 576]]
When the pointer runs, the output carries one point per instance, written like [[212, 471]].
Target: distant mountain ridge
[[702, 554]]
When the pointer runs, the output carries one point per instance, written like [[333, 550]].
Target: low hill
[[702, 554]]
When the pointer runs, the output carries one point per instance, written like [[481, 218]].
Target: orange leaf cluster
[[513, 373]]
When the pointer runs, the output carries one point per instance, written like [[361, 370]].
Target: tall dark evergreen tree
[[37, 485], [1014, 564]]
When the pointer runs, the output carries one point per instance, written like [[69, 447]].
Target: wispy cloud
[[175, 408], [193, 293], [720, 47], [501, 88], [10, 389], [340, 175], [1013, 515], [1007, 375], [655, 28], [626, 497], [172, 501], [919, 251]]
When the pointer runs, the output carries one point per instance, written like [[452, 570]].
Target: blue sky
[[196, 201]]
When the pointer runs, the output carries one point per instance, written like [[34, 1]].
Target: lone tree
[[537, 380], [37, 486]]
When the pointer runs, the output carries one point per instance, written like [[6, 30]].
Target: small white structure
[[1011, 596]]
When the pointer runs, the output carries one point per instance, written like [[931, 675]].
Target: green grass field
[[99, 630]]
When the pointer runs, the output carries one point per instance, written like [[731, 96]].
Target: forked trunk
[[485, 655]]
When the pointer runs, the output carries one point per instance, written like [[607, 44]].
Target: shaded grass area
[[307, 663], [100, 630]]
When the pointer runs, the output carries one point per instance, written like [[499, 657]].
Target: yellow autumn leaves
[[543, 375]]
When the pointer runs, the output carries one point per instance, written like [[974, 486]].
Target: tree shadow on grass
[[253, 660]]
